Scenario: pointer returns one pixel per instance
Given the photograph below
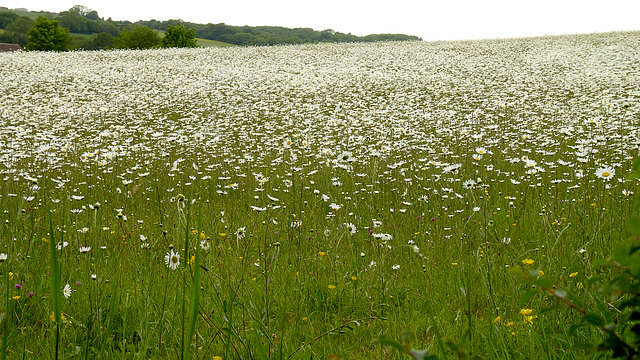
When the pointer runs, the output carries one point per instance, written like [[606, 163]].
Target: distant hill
[[82, 20]]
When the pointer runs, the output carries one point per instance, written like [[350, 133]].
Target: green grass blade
[[195, 293]]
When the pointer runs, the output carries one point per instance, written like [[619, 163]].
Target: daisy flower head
[[469, 184], [346, 156], [67, 291], [351, 228], [605, 173], [204, 244], [172, 259], [240, 233], [3, 257]]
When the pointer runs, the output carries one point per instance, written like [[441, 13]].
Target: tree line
[[85, 29], [272, 35], [90, 32]]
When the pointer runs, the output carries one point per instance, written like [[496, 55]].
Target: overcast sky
[[430, 20]]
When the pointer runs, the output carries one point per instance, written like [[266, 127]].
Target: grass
[[208, 43], [317, 197], [30, 14]]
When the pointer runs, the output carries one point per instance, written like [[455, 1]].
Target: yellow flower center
[[605, 174], [174, 259]]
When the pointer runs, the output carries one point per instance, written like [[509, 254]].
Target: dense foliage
[[179, 36], [15, 28], [48, 35], [140, 37], [81, 20], [271, 35]]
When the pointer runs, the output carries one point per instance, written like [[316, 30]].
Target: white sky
[[428, 19]]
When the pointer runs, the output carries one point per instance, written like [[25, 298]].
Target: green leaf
[[405, 336], [594, 319], [601, 262], [634, 226], [562, 294], [544, 282], [419, 354], [524, 299], [636, 165], [620, 253], [634, 267], [574, 328], [516, 271]]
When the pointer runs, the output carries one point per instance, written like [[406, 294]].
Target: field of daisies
[[305, 202]]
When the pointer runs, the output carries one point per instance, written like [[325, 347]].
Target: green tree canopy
[[140, 37], [21, 25], [48, 35], [102, 40], [179, 36], [6, 18]]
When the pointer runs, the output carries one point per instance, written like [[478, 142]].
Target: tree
[[16, 31], [6, 18], [179, 36], [102, 40], [80, 9], [140, 37], [92, 15], [20, 25], [48, 35]]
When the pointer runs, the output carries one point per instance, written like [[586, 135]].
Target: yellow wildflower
[[53, 317], [332, 286], [573, 274], [528, 261], [525, 311], [497, 319]]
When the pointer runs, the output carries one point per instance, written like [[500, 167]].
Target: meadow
[[298, 202]]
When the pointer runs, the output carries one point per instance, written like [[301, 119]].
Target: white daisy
[[605, 173], [351, 228], [172, 259], [240, 233], [67, 291]]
